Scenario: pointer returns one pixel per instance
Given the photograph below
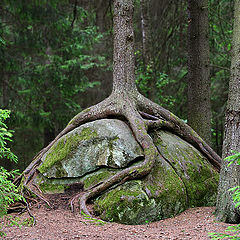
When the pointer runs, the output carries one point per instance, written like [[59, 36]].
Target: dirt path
[[61, 224]]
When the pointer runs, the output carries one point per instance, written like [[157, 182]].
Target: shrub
[[8, 191]]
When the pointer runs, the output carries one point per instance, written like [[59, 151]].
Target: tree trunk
[[199, 109], [123, 55], [230, 175], [48, 130], [146, 44], [146, 30]]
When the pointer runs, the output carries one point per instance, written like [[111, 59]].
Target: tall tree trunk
[[199, 109], [146, 44], [48, 131], [146, 30], [230, 175], [123, 55]]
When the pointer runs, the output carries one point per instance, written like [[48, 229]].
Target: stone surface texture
[[102, 143], [181, 178]]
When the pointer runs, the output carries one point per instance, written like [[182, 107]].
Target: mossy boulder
[[181, 178], [103, 143]]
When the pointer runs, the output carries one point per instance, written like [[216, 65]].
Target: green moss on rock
[[199, 177], [182, 179], [63, 149], [52, 188], [125, 204], [96, 177], [159, 195]]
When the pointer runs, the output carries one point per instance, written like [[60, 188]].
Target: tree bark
[[146, 30], [230, 175], [146, 44], [123, 54], [199, 109]]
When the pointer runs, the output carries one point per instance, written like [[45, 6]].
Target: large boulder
[[103, 143], [181, 178]]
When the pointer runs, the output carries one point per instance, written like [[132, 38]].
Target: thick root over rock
[[141, 115]]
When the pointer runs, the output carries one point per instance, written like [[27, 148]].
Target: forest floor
[[59, 223]]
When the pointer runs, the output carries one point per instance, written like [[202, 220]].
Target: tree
[[46, 54], [146, 30], [146, 48], [199, 109], [220, 36], [8, 191], [230, 175], [125, 102]]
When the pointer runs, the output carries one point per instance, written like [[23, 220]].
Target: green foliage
[[236, 195], [149, 80], [236, 190], [8, 191], [5, 135], [163, 82], [234, 230], [143, 78], [235, 158], [47, 50]]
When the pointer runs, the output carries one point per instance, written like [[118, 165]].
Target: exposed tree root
[[33, 192], [180, 128], [30, 214], [141, 115]]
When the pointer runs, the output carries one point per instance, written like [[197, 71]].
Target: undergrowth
[[8, 191]]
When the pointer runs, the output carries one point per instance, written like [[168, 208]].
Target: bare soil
[[59, 223]]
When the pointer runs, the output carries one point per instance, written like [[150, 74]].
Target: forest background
[[56, 59]]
